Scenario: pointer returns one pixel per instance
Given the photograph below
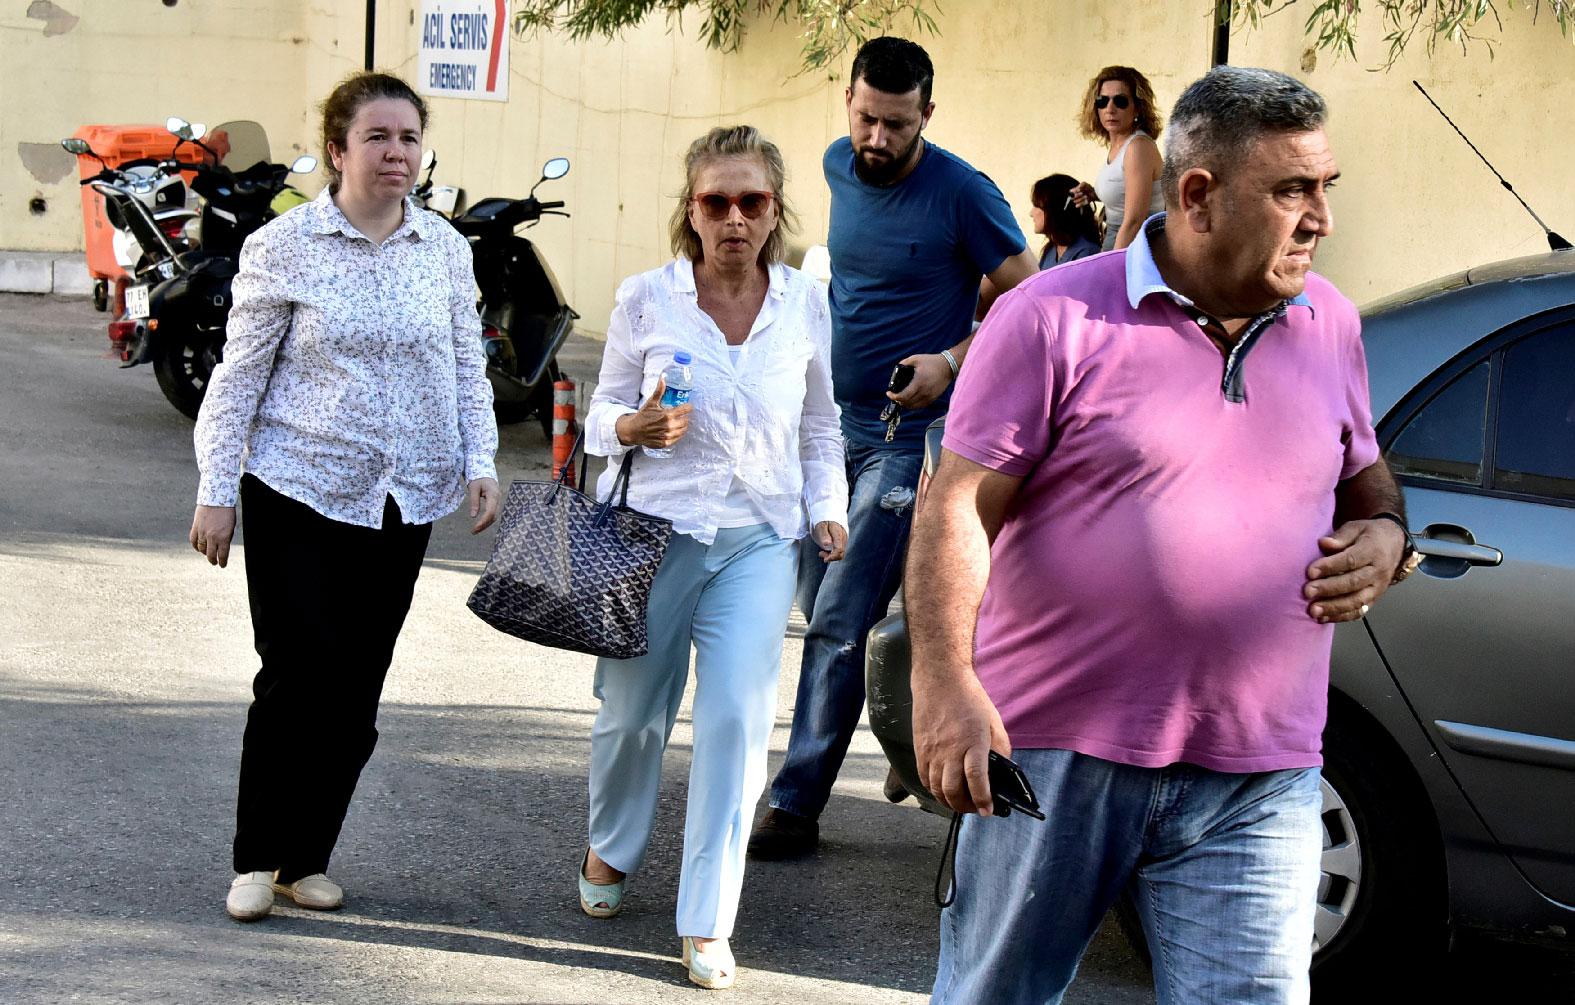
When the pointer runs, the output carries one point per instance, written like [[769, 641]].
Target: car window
[[1535, 450], [1444, 439]]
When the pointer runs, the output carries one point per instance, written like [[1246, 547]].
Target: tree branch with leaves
[[1331, 24], [828, 28]]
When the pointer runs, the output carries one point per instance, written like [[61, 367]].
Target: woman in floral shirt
[[353, 395]]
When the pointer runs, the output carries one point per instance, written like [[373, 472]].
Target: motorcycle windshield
[[239, 144]]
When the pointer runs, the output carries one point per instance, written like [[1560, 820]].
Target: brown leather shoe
[[783, 835]]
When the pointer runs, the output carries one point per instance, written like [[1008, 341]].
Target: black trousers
[[328, 600]]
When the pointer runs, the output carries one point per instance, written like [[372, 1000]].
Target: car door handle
[[1472, 554]]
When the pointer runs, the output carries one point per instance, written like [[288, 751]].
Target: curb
[[45, 272]]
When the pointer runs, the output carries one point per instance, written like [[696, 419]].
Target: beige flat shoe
[[250, 897], [315, 892]]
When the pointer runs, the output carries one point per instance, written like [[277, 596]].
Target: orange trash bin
[[119, 145]]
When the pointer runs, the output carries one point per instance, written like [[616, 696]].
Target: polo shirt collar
[[328, 218], [1143, 276]]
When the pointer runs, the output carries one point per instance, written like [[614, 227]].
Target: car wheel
[[1381, 895]]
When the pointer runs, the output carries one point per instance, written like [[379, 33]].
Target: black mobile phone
[[1010, 790], [901, 377]]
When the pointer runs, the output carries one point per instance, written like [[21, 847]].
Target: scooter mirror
[[76, 146], [429, 160], [444, 199], [304, 164], [555, 168], [179, 126], [198, 130]]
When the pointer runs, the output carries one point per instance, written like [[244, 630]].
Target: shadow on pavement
[[465, 835]]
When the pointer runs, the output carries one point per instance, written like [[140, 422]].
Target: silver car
[[1449, 777]]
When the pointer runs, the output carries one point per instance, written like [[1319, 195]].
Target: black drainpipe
[[1223, 11], [372, 29]]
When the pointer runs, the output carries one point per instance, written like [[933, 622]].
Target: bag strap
[[620, 488], [562, 475]]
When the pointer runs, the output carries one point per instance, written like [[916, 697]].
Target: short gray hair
[[1222, 113]]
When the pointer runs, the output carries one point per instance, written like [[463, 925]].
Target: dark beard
[[887, 173]]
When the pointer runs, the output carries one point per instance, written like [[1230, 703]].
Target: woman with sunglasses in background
[[1118, 110], [756, 462], [1070, 231]]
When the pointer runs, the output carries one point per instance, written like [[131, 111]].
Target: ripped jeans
[[842, 602]]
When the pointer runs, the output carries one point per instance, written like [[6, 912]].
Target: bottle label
[[674, 396]]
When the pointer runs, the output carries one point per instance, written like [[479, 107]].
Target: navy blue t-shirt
[[905, 267]]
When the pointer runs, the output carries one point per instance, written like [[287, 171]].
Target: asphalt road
[[125, 665]]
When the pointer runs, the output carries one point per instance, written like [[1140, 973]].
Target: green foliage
[[1331, 24], [829, 27]]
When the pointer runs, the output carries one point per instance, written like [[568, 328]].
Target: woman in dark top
[[1071, 231]]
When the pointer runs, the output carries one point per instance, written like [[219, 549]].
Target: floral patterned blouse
[[764, 429], [352, 371]]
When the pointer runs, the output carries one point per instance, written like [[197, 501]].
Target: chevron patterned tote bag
[[571, 572]]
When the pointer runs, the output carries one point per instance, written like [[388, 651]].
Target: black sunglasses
[[1121, 100]]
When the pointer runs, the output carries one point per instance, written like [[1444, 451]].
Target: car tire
[[1382, 896]]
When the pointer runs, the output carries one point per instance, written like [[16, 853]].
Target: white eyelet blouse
[[766, 429]]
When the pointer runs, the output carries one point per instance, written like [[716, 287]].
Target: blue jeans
[[842, 601], [1225, 868]]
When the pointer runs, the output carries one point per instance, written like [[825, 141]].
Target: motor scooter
[[525, 319], [160, 186], [179, 301]]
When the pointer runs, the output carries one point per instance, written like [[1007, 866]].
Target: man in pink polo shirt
[[1160, 489]]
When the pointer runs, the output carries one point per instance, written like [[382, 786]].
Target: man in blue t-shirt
[[913, 231]]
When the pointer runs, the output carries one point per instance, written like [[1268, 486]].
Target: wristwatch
[[1410, 558]]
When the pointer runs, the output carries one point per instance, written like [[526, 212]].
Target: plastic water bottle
[[680, 379]]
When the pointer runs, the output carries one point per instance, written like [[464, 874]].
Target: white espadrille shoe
[[316, 892], [711, 968], [251, 896]]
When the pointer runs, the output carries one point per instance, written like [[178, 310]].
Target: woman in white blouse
[[756, 464], [353, 394]]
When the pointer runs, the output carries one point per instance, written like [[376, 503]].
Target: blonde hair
[[733, 141], [1147, 118]]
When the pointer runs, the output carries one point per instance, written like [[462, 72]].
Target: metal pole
[[1224, 10], [371, 30]]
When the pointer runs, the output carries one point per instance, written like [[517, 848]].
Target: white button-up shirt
[[352, 371], [769, 422]]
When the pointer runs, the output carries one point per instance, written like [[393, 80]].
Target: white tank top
[[1111, 187]]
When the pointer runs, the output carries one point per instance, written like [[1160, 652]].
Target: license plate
[[137, 302]]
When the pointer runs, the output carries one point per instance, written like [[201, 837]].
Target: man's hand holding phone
[[924, 378], [955, 728]]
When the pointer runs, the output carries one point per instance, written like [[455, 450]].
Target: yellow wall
[[1414, 202], [138, 63]]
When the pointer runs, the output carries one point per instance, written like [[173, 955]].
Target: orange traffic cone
[[564, 429]]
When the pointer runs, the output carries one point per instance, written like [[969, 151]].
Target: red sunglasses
[[716, 206]]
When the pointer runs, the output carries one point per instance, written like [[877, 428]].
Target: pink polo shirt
[[1144, 602]]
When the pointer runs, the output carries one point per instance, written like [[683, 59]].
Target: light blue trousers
[[731, 599]]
